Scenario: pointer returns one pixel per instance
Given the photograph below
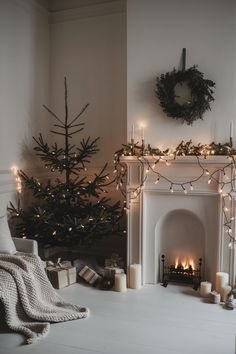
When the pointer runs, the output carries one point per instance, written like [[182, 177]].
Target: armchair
[[26, 245]]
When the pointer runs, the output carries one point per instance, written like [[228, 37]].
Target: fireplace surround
[[180, 224]]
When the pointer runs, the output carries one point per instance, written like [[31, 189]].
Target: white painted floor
[[172, 320]]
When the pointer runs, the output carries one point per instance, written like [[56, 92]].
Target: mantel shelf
[[217, 159]]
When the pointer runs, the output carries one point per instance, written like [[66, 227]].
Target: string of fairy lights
[[150, 159]]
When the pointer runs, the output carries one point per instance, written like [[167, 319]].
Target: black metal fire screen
[[180, 274]]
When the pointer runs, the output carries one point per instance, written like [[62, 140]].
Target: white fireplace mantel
[[155, 201]]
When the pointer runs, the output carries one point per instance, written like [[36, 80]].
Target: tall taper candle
[[132, 134], [142, 132], [231, 130]]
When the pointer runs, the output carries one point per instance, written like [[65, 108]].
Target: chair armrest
[[26, 245]]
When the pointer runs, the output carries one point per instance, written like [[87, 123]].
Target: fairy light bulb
[[157, 180], [191, 187], [230, 244], [168, 163], [171, 189], [207, 172], [15, 170], [226, 209], [209, 181], [185, 191]]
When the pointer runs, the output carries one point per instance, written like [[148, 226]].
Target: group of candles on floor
[[223, 291]]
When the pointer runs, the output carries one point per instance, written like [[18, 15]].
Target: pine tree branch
[[58, 133], [76, 131], [52, 113], [80, 113]]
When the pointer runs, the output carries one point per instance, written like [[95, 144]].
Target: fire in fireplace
[[181, 272]]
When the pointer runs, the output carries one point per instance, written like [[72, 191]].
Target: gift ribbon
[[56, 264]]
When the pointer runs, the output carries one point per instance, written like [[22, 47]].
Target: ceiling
[[60, 5]]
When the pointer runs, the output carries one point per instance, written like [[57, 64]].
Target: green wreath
[[200, 91]]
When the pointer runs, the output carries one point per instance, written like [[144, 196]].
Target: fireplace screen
[[181, 273]]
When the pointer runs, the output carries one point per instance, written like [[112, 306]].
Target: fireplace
[[176, 224]]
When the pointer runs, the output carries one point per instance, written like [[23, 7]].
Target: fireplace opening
[[180, 237], [181, 272]]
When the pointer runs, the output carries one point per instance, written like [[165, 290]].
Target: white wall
[[91, 52], [23, 82], [157, 30]]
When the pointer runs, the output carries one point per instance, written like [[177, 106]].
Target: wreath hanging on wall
[[200, 94]]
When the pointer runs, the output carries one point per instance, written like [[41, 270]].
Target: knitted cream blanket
[[28, 302]]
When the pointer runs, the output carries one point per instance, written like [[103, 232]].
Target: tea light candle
[[120, 282], [205, 288], [222, 279], [225, 292], [135, 277]]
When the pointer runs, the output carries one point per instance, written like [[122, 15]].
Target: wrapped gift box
[[89, 275], [61, 274]]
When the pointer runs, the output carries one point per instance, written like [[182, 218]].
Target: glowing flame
[[185, 263]]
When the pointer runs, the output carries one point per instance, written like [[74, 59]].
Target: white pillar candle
[[120, 282], [225, 292], [222, 279], [205, 288], [135, 277]]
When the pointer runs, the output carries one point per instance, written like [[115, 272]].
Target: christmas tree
[[69, 210]]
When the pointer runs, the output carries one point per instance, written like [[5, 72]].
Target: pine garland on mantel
[[182, 149]]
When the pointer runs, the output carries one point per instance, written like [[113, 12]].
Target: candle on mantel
[[225, 292], [222, 279], [142, 131], [120, 282], [231, 130], [205, 288], [135, 276], [132, 134]]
